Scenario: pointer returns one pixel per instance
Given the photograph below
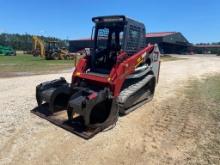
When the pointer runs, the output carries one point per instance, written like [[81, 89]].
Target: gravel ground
[[146, 136]]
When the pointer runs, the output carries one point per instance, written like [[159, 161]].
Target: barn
[[207, 49], [169, 43], [77, 45]]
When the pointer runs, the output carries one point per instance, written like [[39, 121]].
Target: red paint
[[92, 96], [125, 66]]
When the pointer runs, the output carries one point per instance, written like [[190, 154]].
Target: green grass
[[11, 65], [211, 87], [28, 63], [207, 88], [170, 58], [204, 101]]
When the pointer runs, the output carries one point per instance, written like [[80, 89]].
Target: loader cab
[[113, 35], [52, 50], [52, 46]]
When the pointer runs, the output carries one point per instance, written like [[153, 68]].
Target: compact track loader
[[119, 75]]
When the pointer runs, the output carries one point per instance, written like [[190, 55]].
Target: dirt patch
[[185, 129], [181, 130], [174, 128]]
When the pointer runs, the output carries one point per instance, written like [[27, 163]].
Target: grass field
[[171, 58], [204, 99], [30, 64], [212, 88]]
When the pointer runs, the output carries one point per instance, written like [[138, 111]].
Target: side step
[[60, 119]]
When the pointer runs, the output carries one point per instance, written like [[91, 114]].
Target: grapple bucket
[[60, 119], [79, 110]]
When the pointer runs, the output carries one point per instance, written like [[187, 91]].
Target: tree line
[[24, 41]]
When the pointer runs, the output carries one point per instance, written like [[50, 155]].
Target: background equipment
[[49, 50], [7, 51], [119, 75], [38, 47]]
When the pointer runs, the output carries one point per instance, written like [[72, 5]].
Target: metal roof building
[[77, 45], [206, 49], [168, 42]]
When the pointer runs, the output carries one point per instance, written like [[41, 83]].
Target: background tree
[[24, 41]]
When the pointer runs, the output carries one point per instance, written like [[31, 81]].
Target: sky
[[197, 20]]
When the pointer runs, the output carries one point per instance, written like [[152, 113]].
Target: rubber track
[[127, 92]]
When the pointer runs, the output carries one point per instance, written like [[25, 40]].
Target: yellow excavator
[[38, 47], [49, 50]]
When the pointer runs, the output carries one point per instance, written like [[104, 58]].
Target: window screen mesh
[[133, 41]]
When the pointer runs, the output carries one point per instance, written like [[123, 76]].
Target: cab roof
[[114, 18]]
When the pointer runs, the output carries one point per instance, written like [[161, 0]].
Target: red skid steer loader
[[119, 75]]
